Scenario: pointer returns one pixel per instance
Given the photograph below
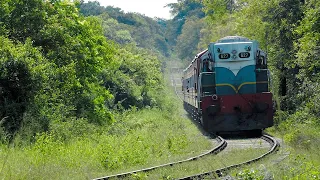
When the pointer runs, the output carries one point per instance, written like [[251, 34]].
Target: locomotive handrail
[[270, 80], [207, 73], [261, 70], [207, 95]]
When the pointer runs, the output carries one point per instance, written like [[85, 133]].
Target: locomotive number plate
[[224, 56], [244, 55]]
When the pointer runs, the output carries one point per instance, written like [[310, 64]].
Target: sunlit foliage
[[58, 65]]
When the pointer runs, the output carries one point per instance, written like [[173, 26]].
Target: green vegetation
[[289, 31], [90, 152], [82, 86], [76, 103], [65, 68], [298, 158], [130, 28], [205, 164], [183, 31]]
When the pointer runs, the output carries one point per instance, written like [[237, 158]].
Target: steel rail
[[175, 88], [222, 145], [220, 172]]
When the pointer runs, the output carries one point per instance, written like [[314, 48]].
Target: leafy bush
[[22, 74], [300, 166], [138, 81], [65, 70], [249, 174]]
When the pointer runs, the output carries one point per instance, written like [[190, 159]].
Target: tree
[[91, 8], [23, 73], [187, 43], [25, 18], [182, 10]]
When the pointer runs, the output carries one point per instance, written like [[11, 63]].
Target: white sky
[[151, 8]]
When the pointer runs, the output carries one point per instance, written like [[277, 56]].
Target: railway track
[[214, 173], [222, 144], [274, 144], [174, 84]]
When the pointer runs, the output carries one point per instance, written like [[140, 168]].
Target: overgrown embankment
[[138, 139], [76, 105], [57, 66]]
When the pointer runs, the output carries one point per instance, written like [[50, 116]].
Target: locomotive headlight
[[248, 48], [219, 50], [214, 97]]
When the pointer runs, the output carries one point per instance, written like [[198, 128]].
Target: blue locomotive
[[226, 87]]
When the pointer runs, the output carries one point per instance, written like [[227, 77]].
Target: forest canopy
[[57, 65]]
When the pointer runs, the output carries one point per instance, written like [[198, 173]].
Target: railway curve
[[222, 145], [220, 172]]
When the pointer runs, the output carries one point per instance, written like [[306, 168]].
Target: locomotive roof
[[233, 39], [202, 53], [197, 56]]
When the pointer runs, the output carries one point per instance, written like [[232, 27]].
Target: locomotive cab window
[[261, 61], [207, 65]]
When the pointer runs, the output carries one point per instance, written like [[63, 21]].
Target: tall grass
[[77, 149], [298, 157]]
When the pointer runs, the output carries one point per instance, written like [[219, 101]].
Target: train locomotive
[[226, 87]]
